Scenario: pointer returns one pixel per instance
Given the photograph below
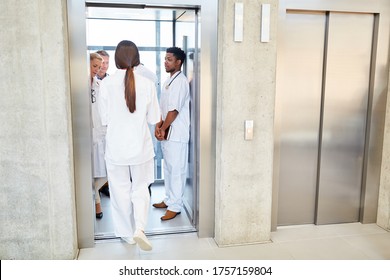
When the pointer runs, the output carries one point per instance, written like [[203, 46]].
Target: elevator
[[164, 26], [327, 59], [201, 47]]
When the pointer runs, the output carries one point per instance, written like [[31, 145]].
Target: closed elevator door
[[322, 89]]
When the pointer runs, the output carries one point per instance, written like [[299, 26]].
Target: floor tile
[[324, 249], [375, 246], [352, 241]]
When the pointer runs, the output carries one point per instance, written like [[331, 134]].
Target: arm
[[162, 126]]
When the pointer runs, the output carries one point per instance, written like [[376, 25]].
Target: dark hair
[[178, 53], [126, 57], [103, 53]]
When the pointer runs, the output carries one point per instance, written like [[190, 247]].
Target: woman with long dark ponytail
[[128, 103], [127, 57]]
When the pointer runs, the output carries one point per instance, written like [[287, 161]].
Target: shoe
[[99, 215], [129, 240], [169, 215], [160, 205], [104, 190], [142, 240]]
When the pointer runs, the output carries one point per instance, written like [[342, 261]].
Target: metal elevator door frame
[[376, 99], [205, 175], [185, 25]]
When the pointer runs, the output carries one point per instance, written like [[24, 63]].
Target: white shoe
[[142, 240], [128, 240]]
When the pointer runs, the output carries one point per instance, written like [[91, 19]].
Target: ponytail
[[127, 57], [130, 89]]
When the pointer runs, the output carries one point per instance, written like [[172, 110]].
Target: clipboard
[[168, 132]]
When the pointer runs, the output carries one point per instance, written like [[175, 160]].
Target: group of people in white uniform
[[124, 104]]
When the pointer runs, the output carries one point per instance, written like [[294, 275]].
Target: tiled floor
[[104, 227], [352, 241]]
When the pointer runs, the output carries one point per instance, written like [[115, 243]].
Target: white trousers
[[99, 164], [175, 173], [98, 183], [129, 196]]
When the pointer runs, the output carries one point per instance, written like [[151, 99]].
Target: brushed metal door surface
[[299, 83], [349, 180], [187, 34], [344, 117]]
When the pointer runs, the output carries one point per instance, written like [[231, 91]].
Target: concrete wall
[[37, 217], [37, 214], [383, 218], [246, 91]]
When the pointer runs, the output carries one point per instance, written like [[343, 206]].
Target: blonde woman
[[98, 134]]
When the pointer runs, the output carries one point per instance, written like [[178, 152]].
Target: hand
[[158, 133]]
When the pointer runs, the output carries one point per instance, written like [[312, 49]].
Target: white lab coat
[[98, 133]]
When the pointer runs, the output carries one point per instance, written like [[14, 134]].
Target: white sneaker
[[142, 240], [128, 240]]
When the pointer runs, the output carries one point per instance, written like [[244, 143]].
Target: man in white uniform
[[173, 131], [105, 64]]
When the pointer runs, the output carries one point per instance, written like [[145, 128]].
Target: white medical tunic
[[129, 149], [128, 139], [175, 95]]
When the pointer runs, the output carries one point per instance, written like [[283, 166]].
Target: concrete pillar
[[246, 91], [383, 217], [37, 214]]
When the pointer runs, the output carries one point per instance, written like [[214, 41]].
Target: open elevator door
[[152, 29]]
